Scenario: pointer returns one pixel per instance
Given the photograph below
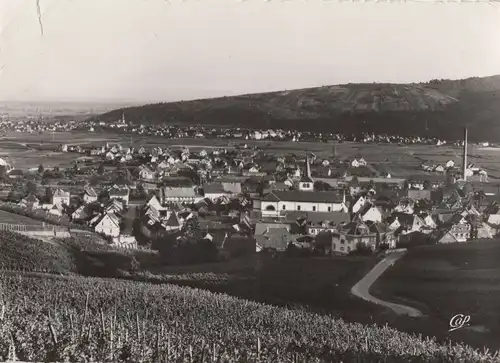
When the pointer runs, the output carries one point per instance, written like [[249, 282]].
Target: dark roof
[[213, 188], [119, 192], [306, 179], [429, 177], [31, 198], [318, 217], [301, 196], [277, 238], [173, 221], [419, 194], [356, 228]]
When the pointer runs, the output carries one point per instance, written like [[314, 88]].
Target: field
[[30, 150], [48, 318], [445, 280], [319, 284], [11, 218]]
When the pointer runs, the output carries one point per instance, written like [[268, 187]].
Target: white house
[[56, 210], [214, 191], [180, 194], [359, 204], [355, 163], [60, 197], [155, 203], [146, 173], [79, 214], [89, 195], [120, 194], [370, 213], [30, 201], [108, 224], [450, 164], [110, 156]]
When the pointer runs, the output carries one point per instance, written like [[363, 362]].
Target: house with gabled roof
[[173, 222], [179, 195], [60, 197], [350, 235], [56, 210], [89, 195], [369, 212], [108, 224], [146, 173], [118, 193], [31, 202], [80, 214]]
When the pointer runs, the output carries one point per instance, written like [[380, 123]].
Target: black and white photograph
[[222, 181]]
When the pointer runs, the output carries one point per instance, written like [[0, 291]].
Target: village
[[252, 200]]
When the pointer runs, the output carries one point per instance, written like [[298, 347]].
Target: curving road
[[362, 288]]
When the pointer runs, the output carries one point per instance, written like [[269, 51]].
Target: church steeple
[[308, 167], [306, 183]]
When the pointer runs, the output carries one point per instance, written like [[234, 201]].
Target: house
[[360, 202], [214, 191], [80, 214], [108, 224], [313, 223], [173, 223], [355, 163], [31, 202], [457, 229], [56, 210], [371, 213], [405, 206], [417, 194], [232, 187], [60, 197], [274, 238], [439, 169], [155, 203], [145, 173], [450, 164], [350, 235], [179, 194], [89, 195], [114, 206], [120, 194]]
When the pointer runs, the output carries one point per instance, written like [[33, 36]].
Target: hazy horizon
[[157, 51]]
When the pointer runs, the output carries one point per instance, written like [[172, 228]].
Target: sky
[[160, 50]]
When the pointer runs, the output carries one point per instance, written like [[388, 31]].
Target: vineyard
[[49, 318], [19, 252]]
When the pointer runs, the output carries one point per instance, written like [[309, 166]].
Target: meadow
[[445, 280], [49, 318], [29, 150], [12, 218]]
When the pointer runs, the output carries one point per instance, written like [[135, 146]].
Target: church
[[305, 198]]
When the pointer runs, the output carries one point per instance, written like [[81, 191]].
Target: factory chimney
[[465, 154]]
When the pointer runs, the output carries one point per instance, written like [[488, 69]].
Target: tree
[[41, 169], [406, 185], [3, 173], [427, 185], [192, 228], [31, 187], [100, 169]]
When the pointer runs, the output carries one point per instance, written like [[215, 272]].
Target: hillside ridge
[[436, 108]]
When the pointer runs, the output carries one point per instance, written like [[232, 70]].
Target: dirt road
[[362, 288]]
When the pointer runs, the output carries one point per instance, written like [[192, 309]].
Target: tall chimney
[[465, 154]]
